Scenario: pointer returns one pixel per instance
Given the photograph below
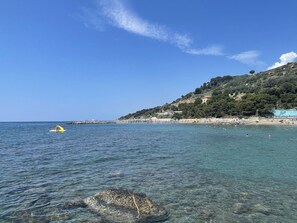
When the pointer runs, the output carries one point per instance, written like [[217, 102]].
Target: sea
[[199, 173]]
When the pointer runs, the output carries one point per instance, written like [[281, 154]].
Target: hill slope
[[240, 96]]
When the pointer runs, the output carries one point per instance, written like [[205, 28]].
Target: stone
[[249, 208], [259, 208], [243, 195], [241, 208], [75, 203], [207, 215], [125, 206], [117, 174]]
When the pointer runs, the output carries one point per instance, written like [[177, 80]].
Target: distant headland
[[253, 96]]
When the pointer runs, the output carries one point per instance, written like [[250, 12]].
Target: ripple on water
[[198, 173]]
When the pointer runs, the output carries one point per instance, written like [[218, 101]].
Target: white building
[[205, 99]]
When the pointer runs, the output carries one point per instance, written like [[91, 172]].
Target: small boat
[[58, 128]]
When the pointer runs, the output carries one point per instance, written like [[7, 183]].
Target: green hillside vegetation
[[241, 96]]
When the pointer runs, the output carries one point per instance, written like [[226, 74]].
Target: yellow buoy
[[58, 128]]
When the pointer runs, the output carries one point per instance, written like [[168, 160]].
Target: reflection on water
[[199, 173]]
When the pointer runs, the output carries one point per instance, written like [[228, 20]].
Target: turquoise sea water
[[199, 173]]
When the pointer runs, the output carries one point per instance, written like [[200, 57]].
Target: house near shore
[[165, 113], [282, 113], [168, 113], [160, 120]]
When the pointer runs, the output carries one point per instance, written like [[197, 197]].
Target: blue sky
[[79, 59]]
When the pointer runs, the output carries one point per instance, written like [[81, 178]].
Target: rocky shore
[[216, 121], [91, 122]]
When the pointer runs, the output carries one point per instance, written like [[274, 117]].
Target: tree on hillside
[[252, 72], [198, 91], [241, 96]]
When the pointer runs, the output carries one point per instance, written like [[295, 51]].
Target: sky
[[102, 59]]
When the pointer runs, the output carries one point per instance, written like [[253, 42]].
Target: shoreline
[[217, 121]]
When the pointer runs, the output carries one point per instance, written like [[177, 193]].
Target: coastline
[[217, 121]]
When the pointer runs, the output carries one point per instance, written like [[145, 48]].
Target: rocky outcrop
[[125, 206]]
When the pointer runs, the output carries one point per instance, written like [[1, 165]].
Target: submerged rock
[[259, 208], [76, 203], [250, 208], [207, 215], [125, 206], [241, 208], [117, 174]]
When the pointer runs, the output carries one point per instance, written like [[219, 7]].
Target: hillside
[[227, 96]]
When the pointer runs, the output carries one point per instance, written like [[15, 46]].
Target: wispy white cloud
[[284, 59], [116, 13], [212, 50], [181, 40], [248, 57]]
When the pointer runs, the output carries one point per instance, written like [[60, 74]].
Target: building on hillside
[[205, 99]]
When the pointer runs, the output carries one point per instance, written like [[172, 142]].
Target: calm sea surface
[[199, 173]]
